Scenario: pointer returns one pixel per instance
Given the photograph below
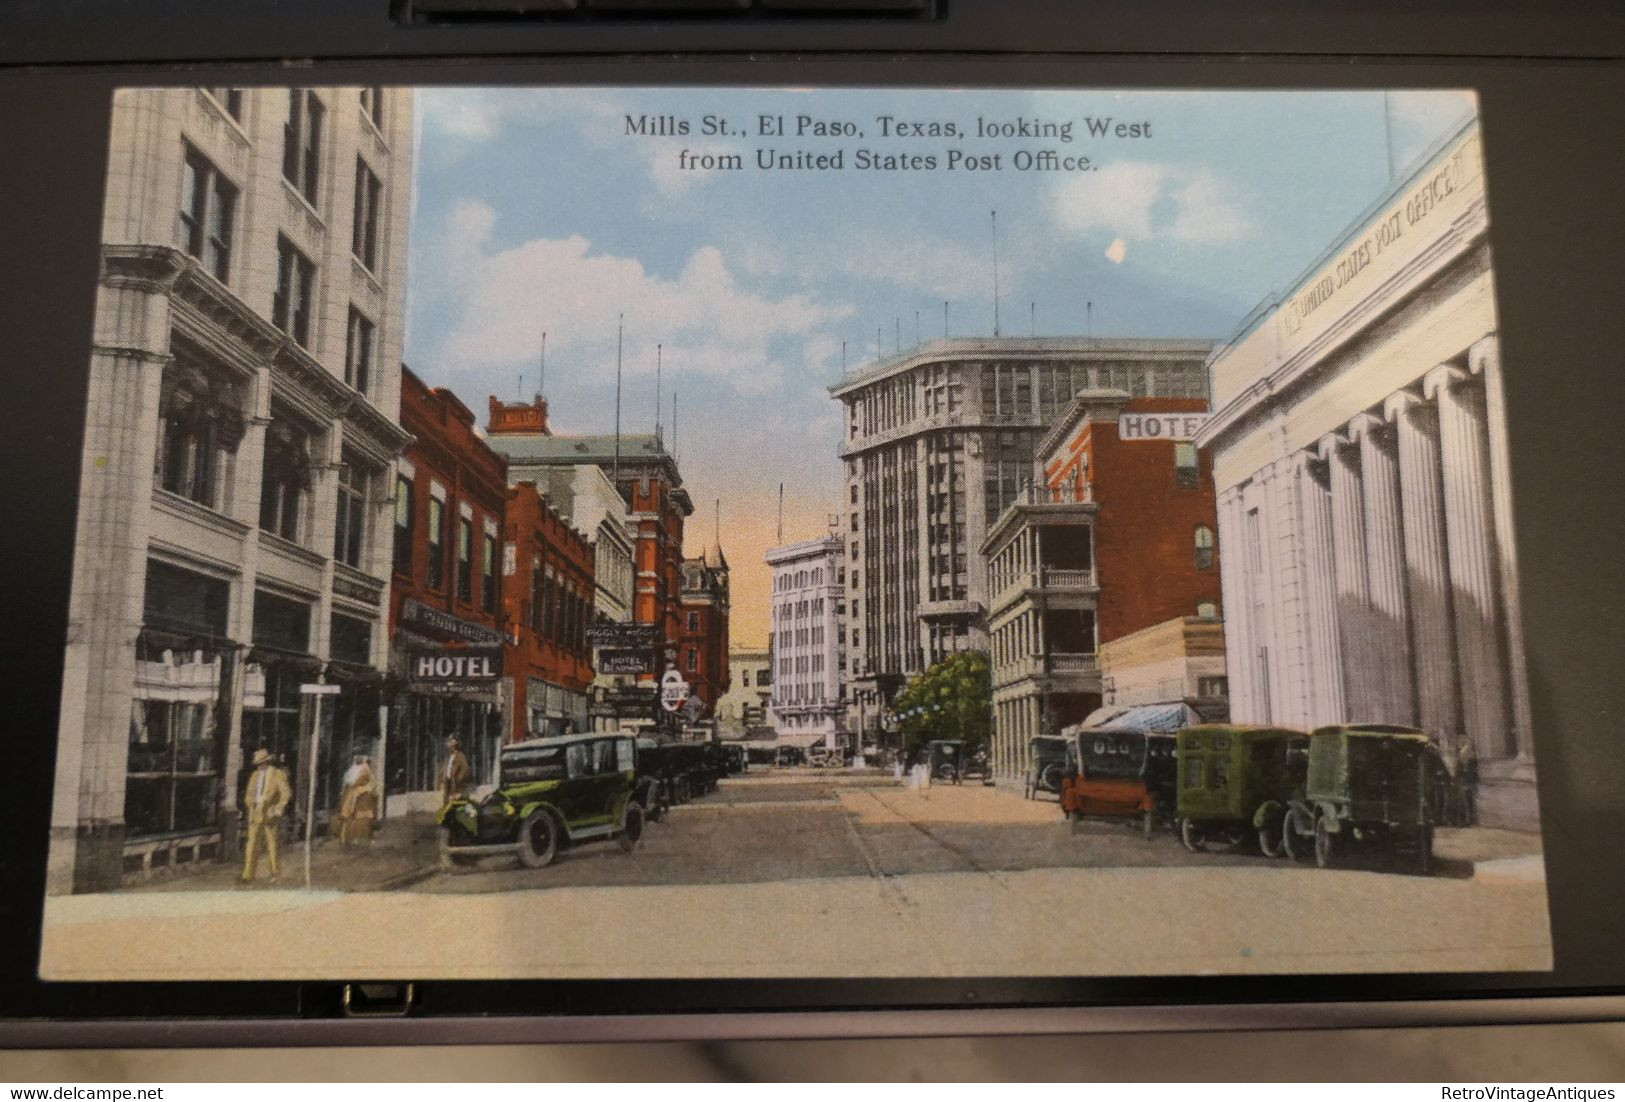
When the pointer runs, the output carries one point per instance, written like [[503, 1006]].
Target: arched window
[[1204, 547]]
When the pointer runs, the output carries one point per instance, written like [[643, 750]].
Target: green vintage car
[[1235, 782], [551, 793], [1370, 786]]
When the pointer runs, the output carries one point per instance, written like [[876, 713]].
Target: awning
[[800, 742], [1167, 717]]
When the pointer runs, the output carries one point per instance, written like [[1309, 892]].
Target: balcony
[[1047, 579], [1052, 667], [1055, 578]]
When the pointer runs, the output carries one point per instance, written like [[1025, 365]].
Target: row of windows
[[209, 201], [799, 580], [405, 526], [558, 611]]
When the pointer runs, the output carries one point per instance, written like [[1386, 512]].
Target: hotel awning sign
[[1160, 426], [458, 664]]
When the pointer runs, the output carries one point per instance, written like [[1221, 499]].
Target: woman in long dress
[[358, 809]]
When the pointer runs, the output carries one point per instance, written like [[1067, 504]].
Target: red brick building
[[450, 495], [1118, 535], [547, 598], [647, 478], [702, 650]]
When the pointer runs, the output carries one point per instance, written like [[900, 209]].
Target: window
[[1185, 466], [693, 621], [372, 105], [290, 305], [488, 574], [1204, 547], [352, 499], [746, 674], [230, 100], [1212, 686], [403, 524], [193, 430], [1207, 610], [537, 593], [465, 559], [350, 640], [208, 205], [364, 230], [285, 479], [302, 142], [693, 660], [175, 757], [437, 543], [358, 351]]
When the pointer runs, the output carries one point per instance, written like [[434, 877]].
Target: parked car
[[945, 760], [1235, 783], [735, 758], [551, 794], [1118, 773], [1369, 786], [652, 788], [1046, 755]]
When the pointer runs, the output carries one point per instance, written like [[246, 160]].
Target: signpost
[[673, 691], [317, 690]]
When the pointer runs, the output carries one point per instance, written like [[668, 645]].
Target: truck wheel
[[1296, 835], [538, 839], [1271, 836], [1325, 844], [1191, 836], [632, 829]]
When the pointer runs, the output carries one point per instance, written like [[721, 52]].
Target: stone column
[[1320, 592], [106, 604], [1427, 570], [1484, 360], [1393, 688], [1234, 587], [1349, 575], [1470, 546]]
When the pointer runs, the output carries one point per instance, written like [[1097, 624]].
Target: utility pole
[[995, 220]]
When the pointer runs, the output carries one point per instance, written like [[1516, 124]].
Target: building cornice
[[1031, 349]]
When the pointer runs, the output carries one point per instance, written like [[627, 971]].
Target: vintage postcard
[[682, 532]]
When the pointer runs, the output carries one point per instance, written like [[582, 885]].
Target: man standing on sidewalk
[[265, 799], [454, 777]]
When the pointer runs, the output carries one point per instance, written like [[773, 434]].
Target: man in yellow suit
[[265, 799]]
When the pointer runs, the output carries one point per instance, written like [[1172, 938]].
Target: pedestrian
[[454, 777], [358, 808], [265, 798], [1467, 780]]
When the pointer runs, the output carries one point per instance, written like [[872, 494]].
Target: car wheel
[[538, 839], [1190, 836], [1297, 833], [632, 829], [1270, 841], [1325, 844]]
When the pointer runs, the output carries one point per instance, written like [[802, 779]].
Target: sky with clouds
[[536, 211]]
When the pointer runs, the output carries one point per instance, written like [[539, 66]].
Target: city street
[[806, 873]]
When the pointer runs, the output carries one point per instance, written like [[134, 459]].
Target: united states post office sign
[[1160, 426], [459, 664]]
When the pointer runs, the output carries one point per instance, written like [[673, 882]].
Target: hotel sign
[[1160, 426], [416, 612], [457, 664]]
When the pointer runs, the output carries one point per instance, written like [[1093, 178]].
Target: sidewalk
[[403, 851]]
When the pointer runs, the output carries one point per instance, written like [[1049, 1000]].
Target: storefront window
[[175, 755]]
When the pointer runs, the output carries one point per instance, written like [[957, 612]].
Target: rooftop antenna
[[657, 393], [916, 329], [781, 514], [995, 220], [1035, 318], [944, 319], [1089, 319], [674, 426], [620, 331], [541, 372], [843, 357], [897, 324]]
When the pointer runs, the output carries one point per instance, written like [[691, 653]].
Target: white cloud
[[1141, 201], [1117, 250], [504, 298]]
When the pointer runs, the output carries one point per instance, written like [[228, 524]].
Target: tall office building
[[938, 442]]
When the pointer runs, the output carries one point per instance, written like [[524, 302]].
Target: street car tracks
[[895, 813]]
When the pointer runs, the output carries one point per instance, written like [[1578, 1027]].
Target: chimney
[[518, 418]]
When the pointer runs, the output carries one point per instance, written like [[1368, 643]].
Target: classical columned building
[[233, 539], [1360, 447], [939, 441]]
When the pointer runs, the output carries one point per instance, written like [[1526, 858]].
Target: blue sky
[[535, 210]]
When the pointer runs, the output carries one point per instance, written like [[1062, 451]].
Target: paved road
[[790, 826]]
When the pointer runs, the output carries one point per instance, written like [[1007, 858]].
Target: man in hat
[[264, 799], [454, 777]]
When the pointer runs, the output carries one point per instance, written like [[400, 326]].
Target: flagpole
[[620, 331]]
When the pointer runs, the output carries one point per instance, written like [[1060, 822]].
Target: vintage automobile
[[1046, 756], [948, 761], [735, 757], [1117, 773], [551, 793], [1371, 786], [652, 788], [1235, 783]]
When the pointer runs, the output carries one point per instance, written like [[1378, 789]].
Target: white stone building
[[233, 539], [749, 697], [809, 658], [1360, 455]]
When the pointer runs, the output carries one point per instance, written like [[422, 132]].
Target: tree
[[951, 700]]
